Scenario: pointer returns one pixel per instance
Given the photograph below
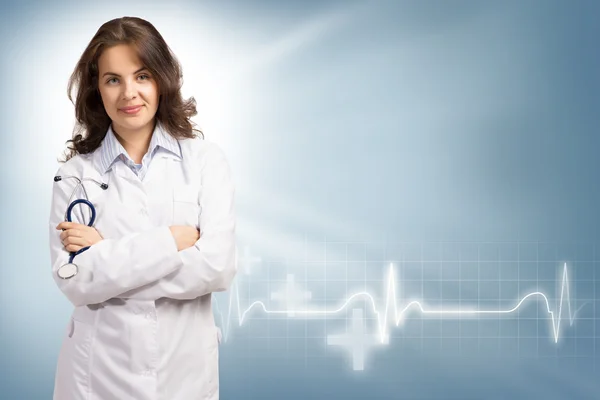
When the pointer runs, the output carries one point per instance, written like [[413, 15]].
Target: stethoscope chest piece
[[67, 271]]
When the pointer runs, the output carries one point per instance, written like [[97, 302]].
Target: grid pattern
[[463, 275]]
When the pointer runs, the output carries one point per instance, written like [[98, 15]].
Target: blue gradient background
[[458, 139]]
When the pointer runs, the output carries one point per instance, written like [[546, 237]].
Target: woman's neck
[[135, 142]]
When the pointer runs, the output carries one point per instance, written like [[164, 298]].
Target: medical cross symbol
[[291, 295], [247, 261], [358, 341]]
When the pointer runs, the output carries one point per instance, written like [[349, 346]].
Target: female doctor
[[164, 232]]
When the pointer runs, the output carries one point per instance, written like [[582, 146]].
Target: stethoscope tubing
[[68, 216], [90, 223]]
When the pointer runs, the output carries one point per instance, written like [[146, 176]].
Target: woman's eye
[[143, 75]]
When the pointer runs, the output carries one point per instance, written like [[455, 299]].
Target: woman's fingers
[[73, 248], [77, 236], [70, 233], [74, 243]]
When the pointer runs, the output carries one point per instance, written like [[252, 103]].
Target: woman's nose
[[129, 90]]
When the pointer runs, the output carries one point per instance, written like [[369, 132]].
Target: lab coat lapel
[[123, 171], [157, 166]]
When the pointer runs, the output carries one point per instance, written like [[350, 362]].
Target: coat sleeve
[[210, 265], [111, 266]]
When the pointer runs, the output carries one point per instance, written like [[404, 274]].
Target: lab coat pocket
[[186, 205], [74, 360]]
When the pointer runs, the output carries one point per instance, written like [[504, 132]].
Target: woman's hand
[[185, 235], [77, 236]]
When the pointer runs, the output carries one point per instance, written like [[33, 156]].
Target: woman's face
[[123, 82]]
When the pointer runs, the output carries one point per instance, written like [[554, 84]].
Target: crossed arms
[[146, 265]]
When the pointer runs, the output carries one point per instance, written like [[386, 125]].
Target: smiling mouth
[[131, 110]]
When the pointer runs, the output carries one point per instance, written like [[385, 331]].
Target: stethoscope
[[69, 270]]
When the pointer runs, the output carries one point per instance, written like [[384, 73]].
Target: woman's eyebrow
[[112, 73]]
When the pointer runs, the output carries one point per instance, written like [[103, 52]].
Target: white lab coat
[[143, 326]]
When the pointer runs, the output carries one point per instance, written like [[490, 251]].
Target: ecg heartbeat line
[[391, 304]]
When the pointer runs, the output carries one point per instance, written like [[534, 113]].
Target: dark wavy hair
[[92, 121]]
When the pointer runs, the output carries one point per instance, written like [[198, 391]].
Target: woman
[[164, 236]]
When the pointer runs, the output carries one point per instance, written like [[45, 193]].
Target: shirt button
[[144, 211]]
